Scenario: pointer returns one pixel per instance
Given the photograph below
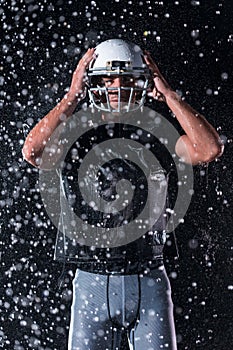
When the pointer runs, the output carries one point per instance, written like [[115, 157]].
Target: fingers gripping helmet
[[117, 57]]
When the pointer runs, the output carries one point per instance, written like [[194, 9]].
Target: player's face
[[113, 83]]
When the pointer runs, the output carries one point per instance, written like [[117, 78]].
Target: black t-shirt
[[113, 196]]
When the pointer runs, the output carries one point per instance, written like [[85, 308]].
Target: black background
[[41, 43]]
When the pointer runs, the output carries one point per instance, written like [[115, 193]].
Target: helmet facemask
[[130, 98]]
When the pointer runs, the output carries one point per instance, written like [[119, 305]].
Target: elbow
[[210, 155], [215, 152], [29, 155], [42, 160], [198, 155], [25, 153]]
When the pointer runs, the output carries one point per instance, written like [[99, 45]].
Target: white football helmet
[[119, 58]]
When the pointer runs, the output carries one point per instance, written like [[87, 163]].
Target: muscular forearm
[[201, 142], [36, 141]]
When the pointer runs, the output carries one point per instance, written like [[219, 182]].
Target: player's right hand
[[77, 87]]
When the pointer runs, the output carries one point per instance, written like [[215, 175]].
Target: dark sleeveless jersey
[[99, 230]]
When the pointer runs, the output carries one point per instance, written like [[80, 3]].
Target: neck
[[115, 117]]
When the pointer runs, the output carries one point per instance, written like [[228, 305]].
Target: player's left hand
[[161, 86]]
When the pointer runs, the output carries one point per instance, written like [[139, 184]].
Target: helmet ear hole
[[96, 94], [151, 84], [95, 81]]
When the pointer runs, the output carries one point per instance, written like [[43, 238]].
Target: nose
[[115, 84]]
